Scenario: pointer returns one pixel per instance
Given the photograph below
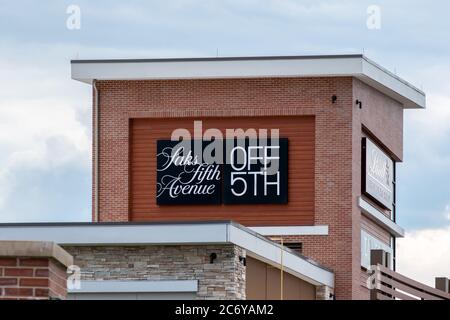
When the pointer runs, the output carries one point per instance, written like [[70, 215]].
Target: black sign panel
[[182, 175], [256, 172], [239, 171], [377, 174]]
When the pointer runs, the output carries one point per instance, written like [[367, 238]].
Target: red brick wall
[[122, 100], [31, 278], [337, 154], [380, 118]]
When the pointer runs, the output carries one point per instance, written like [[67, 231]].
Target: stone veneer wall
[[223, 279]]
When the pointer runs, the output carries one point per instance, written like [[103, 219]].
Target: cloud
[[45, 117], [425, 254], [423, 177], [41, 135], [43, 130]]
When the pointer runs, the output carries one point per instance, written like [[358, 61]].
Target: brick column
[[33, 270]]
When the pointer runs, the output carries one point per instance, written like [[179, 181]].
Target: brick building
[[340, 125]]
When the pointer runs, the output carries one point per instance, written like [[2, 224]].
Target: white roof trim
[[83, 234], [292, 230], [135, 286], [379, 218], [270, 253], [119, 234], [357, 66]]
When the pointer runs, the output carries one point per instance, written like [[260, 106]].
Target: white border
[[292, 230], [136, 286], [118, 234]]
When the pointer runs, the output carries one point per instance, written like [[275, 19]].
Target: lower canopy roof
[[178, 233]]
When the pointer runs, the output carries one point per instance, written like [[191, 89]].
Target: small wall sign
[[369, 243], [377, 174]]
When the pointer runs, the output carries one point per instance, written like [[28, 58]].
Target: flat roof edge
[[234, 58], [193, 233], [390, 73], [350, 65], [106, 223]]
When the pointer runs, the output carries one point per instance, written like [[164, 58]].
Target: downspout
[[96, 152]]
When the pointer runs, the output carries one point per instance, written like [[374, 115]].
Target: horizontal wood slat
[[393, 285], [407, 289], [414, 283], [380, 296], [299, 210]]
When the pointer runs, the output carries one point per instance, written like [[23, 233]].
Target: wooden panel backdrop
[[298, 211]]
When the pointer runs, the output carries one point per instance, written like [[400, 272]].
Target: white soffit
[[107, 234], [357, 66], [379, 218]]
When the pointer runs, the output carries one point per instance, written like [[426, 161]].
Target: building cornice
[[357, 66]]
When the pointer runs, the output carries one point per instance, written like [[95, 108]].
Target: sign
[[182, 178], [368, 243], [261, 174], [246, 171], [377, 174]]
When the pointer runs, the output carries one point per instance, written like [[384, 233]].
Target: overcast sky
[[45, 117]]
